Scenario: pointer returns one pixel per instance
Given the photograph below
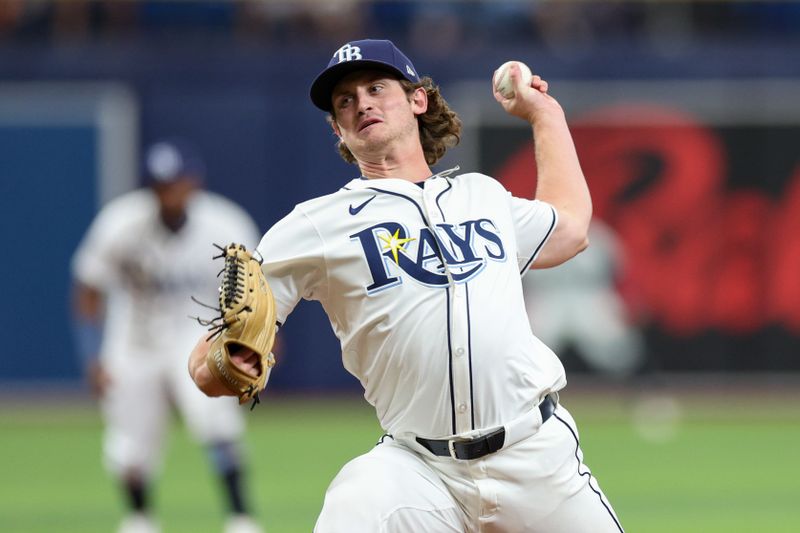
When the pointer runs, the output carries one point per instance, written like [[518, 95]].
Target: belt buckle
[[554, 398], [451, 447]]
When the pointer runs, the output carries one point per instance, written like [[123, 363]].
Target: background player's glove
[[247, 321]]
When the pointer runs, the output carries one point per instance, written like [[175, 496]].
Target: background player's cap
[[169, 160], [360, 55]]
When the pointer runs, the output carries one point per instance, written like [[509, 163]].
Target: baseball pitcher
[[420, 276]]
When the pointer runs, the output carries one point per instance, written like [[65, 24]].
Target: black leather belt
[[477, 448]]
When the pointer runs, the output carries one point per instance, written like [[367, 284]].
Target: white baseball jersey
[[149, 273], [422, 285]]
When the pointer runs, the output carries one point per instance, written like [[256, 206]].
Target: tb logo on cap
[[348, 53]]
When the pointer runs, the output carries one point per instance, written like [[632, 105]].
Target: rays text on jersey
[[391, 252]]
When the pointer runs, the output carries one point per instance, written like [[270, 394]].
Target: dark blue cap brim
[[322, 88]]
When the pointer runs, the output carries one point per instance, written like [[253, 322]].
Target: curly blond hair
[[439, 126]]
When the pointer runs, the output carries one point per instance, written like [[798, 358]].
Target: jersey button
[[462, 407], [459, 351]]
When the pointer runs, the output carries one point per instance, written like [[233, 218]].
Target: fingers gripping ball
[[501, 81], [246, 322]]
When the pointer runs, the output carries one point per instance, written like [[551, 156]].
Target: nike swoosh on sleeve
[[356, 210]]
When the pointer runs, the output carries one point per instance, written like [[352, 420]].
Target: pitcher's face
[[372, 112]]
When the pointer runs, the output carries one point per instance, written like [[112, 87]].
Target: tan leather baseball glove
[[246, 322]]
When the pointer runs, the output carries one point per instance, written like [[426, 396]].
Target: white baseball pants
[[538, 485]]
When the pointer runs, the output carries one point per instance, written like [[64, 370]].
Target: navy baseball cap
[[360, 55], [170, 160]]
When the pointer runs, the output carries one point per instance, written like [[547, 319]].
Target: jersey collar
[[396, 183]]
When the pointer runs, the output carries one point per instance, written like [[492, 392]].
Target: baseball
[[502, 78]]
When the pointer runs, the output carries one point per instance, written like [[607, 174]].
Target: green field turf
[[706, 465]]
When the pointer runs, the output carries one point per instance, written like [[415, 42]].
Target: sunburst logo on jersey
[[395, 243]]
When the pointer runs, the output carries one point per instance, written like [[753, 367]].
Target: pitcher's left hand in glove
[[245, 330]]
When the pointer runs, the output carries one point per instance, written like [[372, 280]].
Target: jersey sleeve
[[534, 223], [294, 262], [94, 262], [250, 232], [232, 221]]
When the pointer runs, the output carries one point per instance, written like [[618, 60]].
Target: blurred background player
[[577, 305], [144, 256]]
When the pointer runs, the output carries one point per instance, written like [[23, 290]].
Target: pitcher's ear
[[419, 101]]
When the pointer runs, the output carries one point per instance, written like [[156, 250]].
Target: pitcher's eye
[[344, 101]]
